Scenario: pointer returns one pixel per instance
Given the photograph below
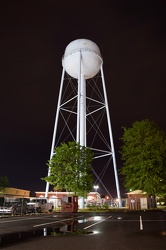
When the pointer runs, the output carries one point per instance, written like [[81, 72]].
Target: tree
[[71, 168], [144, 156], [4, 182]]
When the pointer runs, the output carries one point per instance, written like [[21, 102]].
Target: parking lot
[[115, 230]]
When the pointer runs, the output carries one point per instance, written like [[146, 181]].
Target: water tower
[[83, 105]]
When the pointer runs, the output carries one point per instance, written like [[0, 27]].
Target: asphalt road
[[125, 230]]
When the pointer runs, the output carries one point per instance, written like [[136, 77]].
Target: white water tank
[[90, 58]]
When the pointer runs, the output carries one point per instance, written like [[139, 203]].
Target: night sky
[[34, 34]]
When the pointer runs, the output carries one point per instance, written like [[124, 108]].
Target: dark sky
[[34, 34]]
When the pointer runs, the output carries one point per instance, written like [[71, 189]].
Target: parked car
[[91, 203], [13, 206], [39, 205]]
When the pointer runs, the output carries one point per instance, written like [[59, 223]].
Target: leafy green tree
[[144, 156], [4, 182], [71, 168]]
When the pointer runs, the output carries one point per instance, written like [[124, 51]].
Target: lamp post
[[96, 187]]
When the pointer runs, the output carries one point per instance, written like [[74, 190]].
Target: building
[[55, 197], [138, 200], [15, 192]]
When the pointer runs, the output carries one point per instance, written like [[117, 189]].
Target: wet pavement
[[115, 231]]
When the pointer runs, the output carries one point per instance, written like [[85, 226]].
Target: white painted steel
[[82, 112], [82, 60], [55, 129], [111, 139], [78, 100], [90, 58]]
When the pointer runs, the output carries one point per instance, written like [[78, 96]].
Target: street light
[[96, 187]]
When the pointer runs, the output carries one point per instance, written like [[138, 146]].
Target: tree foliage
[[4, 182], [71, 168], [144, 156]]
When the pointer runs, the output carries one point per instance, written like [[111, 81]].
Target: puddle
[[94, 218], [68, 228]]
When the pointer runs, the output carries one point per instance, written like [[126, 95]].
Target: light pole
[[96, 187]]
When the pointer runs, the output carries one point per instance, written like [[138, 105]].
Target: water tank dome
[[90, 58]]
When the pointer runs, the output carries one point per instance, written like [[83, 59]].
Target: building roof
[[136, 192]]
